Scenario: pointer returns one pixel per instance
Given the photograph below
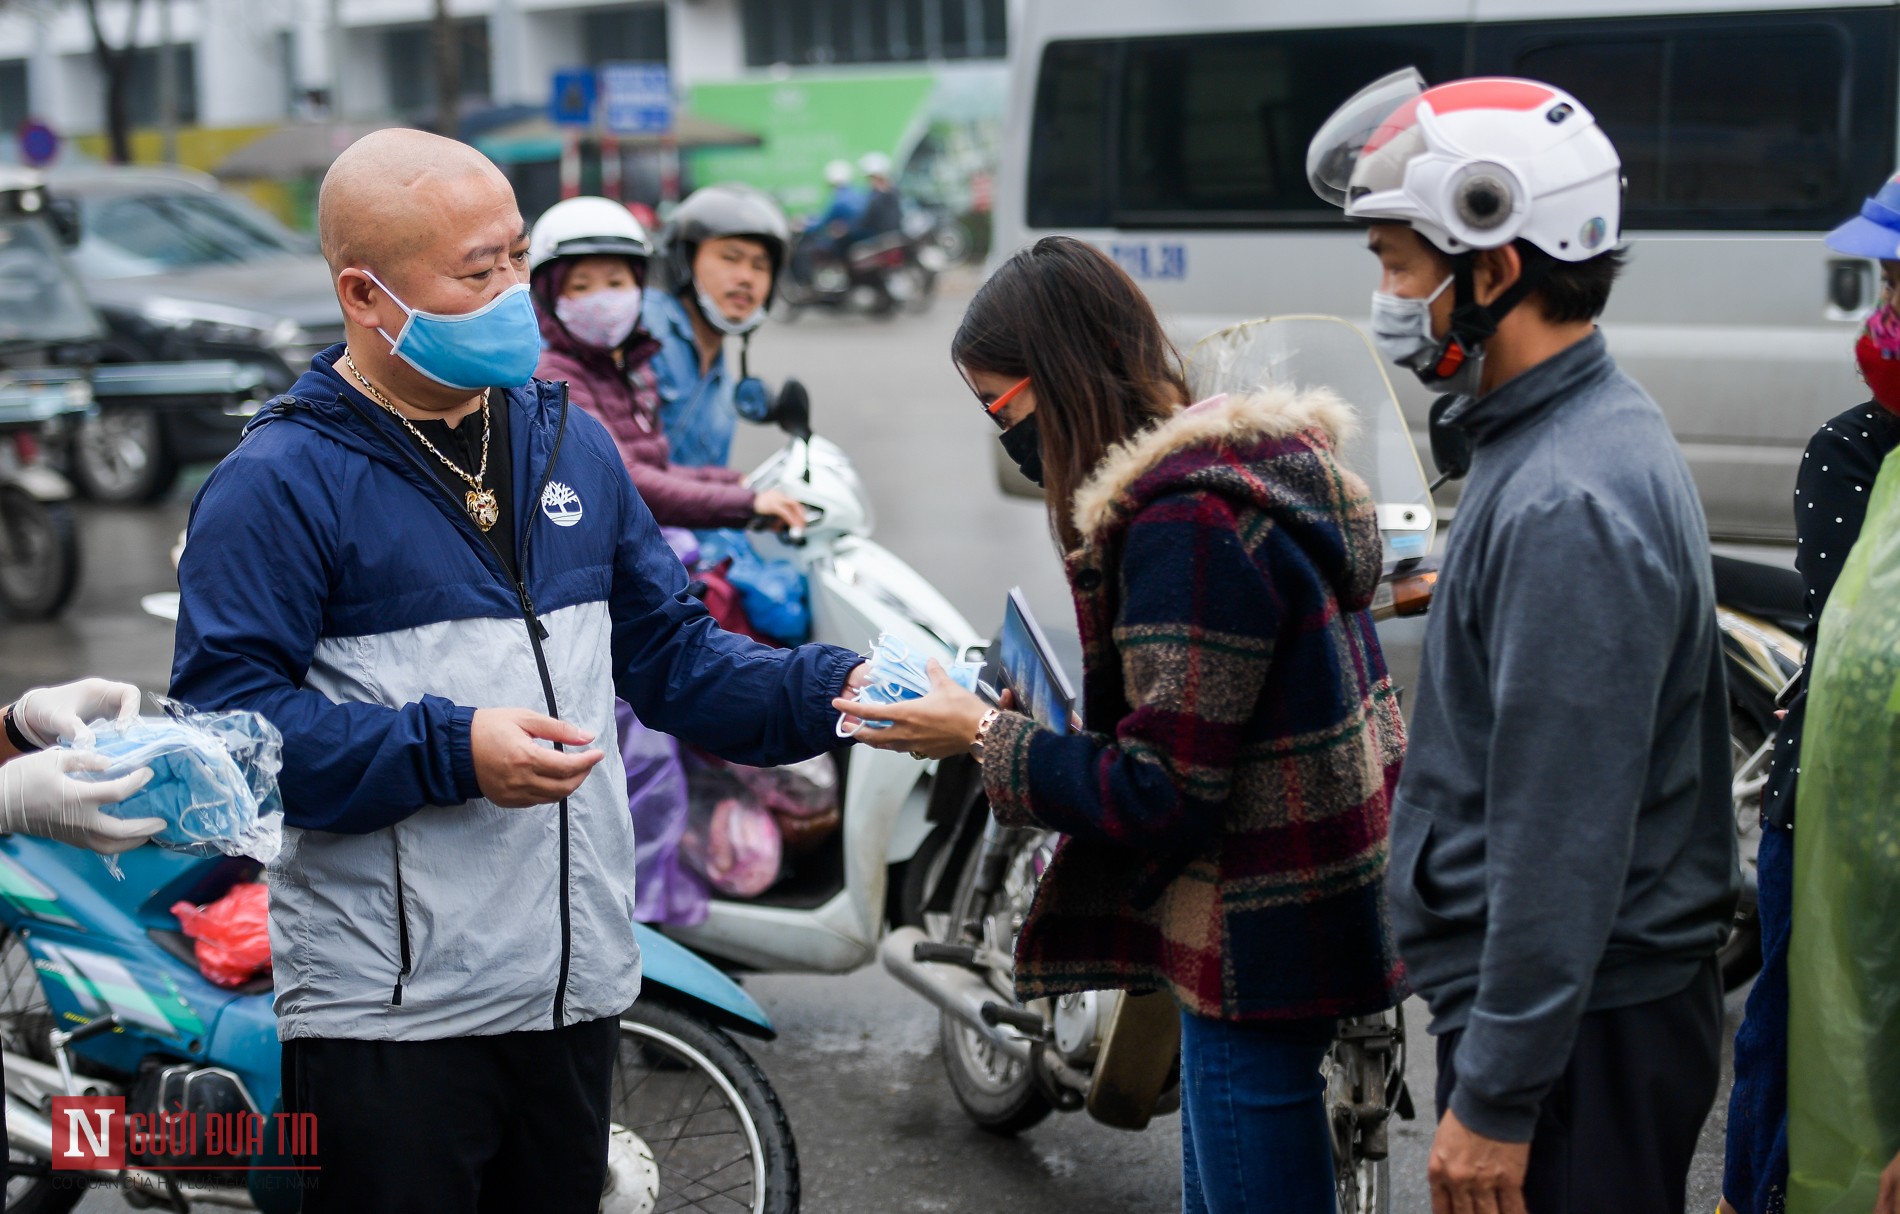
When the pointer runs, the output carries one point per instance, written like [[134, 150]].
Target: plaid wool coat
[[1225, 810]]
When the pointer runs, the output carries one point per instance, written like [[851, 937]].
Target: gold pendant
[[482, 508]]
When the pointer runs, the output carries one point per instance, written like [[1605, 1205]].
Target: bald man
[[434, 577]]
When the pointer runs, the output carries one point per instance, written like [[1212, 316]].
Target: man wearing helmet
[[828, 232], [883, 205], [1563, 866], [724, 249]]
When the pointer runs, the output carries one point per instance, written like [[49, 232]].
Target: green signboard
[[807, 122]]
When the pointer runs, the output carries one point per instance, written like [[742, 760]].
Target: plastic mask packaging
[[899, 674], [214, 779]]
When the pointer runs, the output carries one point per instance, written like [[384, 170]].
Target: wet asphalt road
[[856, 1060]]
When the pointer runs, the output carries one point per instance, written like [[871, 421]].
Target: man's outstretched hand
[[514, 771], [1472, 1174]]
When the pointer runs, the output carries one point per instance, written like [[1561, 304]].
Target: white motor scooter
[[828, 915]]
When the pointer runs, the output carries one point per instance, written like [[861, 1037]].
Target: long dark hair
[[1063, 314]]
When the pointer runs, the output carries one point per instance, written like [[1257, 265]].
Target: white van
[[1173, 134]]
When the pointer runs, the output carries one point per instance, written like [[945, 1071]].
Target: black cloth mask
[[1022, 442]]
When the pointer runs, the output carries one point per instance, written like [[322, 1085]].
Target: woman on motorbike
[[587, 259], [1226, 795]]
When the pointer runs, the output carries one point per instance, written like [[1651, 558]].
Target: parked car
[[183, 270]]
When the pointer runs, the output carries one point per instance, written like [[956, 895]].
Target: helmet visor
[[1356, 126]]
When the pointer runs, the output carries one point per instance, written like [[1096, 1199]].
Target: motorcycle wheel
[[1362, 1075], [707, 1112], [999, 1094], [25, 1021], [39, 555], [1740, 956], [120, 457]]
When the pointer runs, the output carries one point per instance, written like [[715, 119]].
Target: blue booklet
[[1023, 661]]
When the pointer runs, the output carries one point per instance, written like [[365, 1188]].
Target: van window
[[1781, 121], [1203, 131]]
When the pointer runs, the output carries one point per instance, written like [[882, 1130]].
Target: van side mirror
[[1847, 281]]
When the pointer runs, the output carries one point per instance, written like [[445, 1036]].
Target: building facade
[[251, 63]]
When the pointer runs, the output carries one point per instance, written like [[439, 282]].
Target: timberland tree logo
[[95, 1134], [561, 504]]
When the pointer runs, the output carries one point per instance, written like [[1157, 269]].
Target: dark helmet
[[718, 211]]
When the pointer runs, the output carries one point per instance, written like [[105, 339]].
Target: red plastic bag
[[233, 933]]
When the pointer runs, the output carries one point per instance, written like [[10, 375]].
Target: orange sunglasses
[[996, 407]]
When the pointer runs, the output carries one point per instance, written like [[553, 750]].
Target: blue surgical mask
[[495, 346]]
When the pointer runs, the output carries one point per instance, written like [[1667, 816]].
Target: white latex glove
[[38, 796], [51, 715]]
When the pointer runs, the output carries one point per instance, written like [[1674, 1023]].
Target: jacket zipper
[[402, 926], [537, 632]]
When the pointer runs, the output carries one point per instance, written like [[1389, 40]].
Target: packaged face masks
[[214, 779], [898, 673]]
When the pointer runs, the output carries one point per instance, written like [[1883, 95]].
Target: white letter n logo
[[78, 1123], [94, 1140]]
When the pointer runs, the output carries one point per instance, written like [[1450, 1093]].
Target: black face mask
[[1022, 442]]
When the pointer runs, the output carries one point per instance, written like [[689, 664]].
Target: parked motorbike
[[47, 336], [829, 914], [101, 995], [881, 275], [1762, 612], [39, 532]]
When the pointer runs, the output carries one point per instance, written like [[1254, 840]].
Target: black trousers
[[466, 1125], [1618, 1130]]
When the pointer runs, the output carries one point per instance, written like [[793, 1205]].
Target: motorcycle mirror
[[792, 410], [1451, 447]]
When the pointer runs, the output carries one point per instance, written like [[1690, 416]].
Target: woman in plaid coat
[[1225, 803]]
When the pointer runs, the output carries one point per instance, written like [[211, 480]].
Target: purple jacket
[[627, 402]]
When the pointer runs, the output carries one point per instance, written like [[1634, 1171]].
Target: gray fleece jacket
[[1561, 838]]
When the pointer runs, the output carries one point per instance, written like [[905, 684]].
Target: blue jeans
[[1254, 1138], [1755, 1180]]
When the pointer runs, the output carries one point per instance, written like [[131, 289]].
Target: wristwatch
[[983, 732], [16, 737]]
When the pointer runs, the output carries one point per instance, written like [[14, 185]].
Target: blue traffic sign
[[571, 101], [39, 143], [637, 98]]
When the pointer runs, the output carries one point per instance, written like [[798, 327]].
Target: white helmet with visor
[[1470, 165]]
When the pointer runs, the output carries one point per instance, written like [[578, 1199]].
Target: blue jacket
[[331, 584], [697, 411], [847, 204]]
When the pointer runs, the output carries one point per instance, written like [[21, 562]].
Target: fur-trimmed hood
[[1275, 450]]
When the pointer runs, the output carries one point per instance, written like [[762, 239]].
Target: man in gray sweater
[[1563, 858]]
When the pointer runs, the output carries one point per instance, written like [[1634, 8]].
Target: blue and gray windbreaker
[[331, 584]]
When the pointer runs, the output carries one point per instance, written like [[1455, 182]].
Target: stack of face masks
[[214, 779], [898, 674]]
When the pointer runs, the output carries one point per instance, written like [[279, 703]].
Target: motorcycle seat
[[1769, 592]]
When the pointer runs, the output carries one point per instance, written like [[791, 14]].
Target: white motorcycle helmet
[[875, 164], [1472, 165], [586, 227], [838, 173]]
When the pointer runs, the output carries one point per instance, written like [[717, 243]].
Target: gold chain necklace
[[482, 506]]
